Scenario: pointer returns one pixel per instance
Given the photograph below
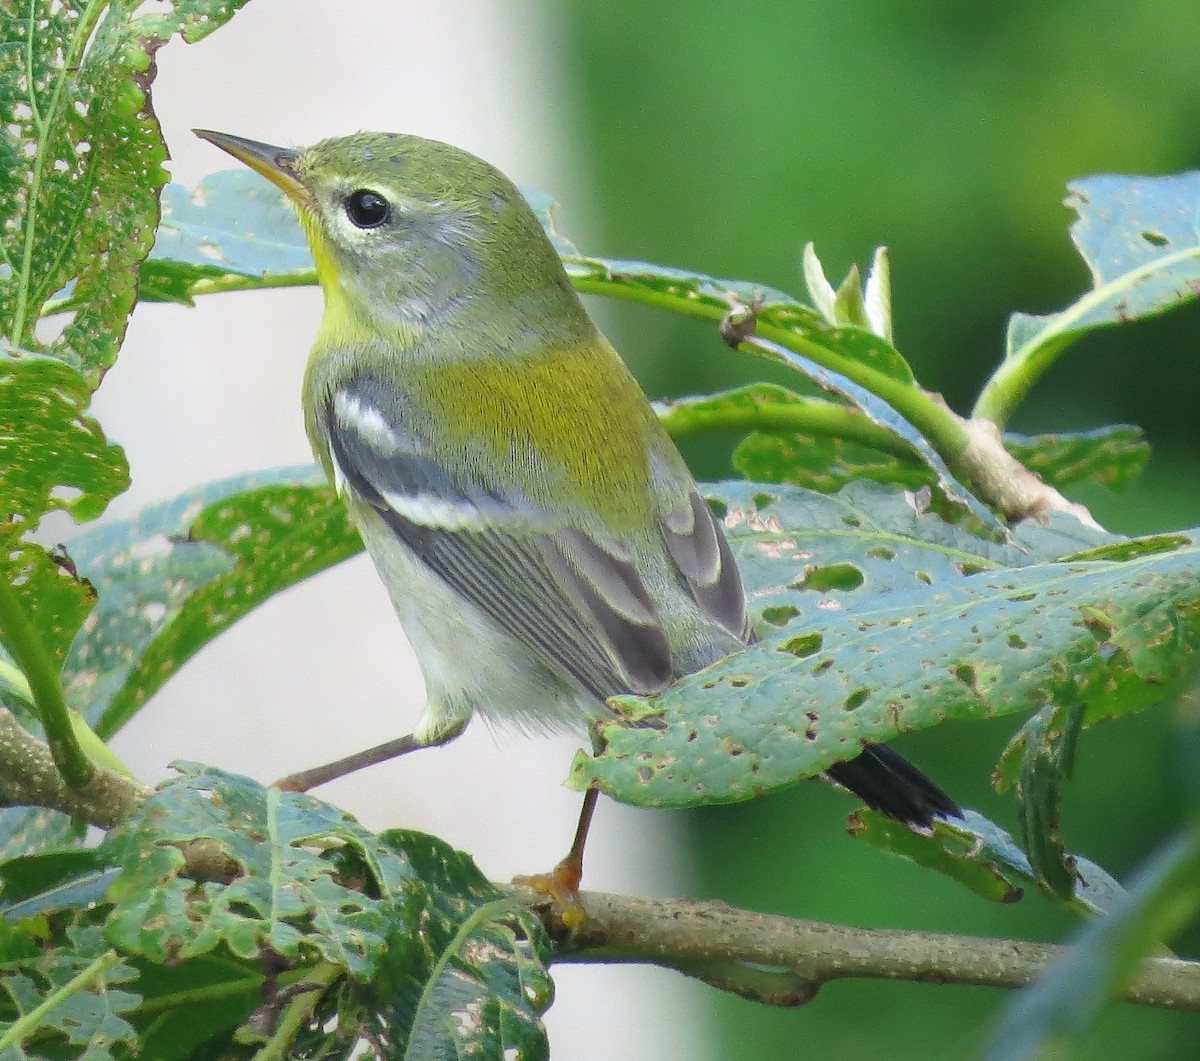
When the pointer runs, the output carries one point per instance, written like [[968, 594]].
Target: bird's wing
[[698, 546], [551, 587]]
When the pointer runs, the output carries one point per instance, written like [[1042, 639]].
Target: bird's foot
[[561, 887]]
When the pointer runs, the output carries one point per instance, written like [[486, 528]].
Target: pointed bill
[[277, 164]]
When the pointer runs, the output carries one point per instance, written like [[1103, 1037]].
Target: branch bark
[[29, 777], [784, 961]]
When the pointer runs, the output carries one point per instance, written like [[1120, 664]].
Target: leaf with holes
[[1046, 744], [881, 619], [81, 164], [53, 457], [277, 872], [438, 963], [1140, 237], [1112, 456], [479, 984], [28, 830], [173, 578]]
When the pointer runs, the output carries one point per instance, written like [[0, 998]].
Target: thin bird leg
[[561, 884], [381, 753]]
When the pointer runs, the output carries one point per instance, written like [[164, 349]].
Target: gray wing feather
[[700, 551], [555, 591]]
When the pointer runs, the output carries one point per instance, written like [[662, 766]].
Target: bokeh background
[[718, 135]]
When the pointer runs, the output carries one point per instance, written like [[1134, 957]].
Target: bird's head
[[405, 230]]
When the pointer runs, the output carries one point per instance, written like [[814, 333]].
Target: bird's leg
[[381, 753], [561, 884]]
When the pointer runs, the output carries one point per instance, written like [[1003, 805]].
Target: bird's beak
[[277, 164]]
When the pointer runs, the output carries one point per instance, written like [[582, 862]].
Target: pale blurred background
[[718, 135], [199, 394]]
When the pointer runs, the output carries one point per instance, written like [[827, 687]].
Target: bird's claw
[[561, 887]]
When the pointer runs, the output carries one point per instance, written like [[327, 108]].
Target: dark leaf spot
[[780, 614], [803, 645], [833, 576], [856, 699]]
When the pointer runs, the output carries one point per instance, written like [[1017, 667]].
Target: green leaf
[[234, 225], [881, 619], [281, 875], [883, 415], [983, 857], [1043, 1020], [1046, 746], [29, 830], [1113, 456], [479, 985], [81, 157], [440, 964], [27, 876], [173, 578], [191, 1009], [823, 463], [53, 457], [77, 988], [1141, 240], [823, 445]]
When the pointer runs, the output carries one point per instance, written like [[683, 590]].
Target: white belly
[[470, 666]]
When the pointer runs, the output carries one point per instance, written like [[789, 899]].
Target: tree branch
[[783, 961], [29, 777]]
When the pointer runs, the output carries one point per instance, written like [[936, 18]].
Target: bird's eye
[[367, 209]]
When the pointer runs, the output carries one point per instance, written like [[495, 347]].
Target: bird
[[544, 545]]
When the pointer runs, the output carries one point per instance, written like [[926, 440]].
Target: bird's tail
[[888, 782]]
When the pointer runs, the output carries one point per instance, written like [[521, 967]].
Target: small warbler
[[542, 540]]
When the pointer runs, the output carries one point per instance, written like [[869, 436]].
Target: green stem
[[926, 412], [194, 996], [798, 415], [26, 1025], [76, 768], [1023, 367], [1013, 379]]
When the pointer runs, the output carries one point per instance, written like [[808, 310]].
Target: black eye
[[367, 209]]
